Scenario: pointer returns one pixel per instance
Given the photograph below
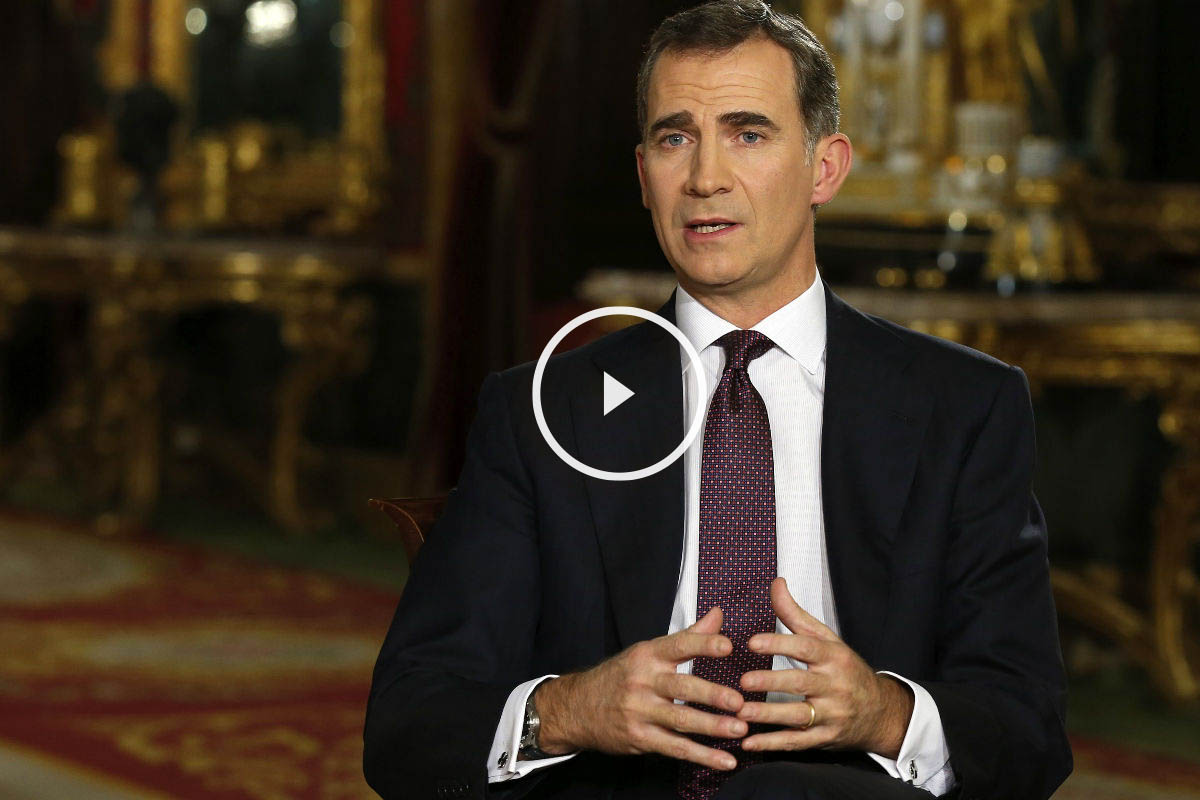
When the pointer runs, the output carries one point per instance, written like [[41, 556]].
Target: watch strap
[[530, 729]]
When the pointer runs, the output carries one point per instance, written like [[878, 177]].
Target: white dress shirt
[[790, 377]]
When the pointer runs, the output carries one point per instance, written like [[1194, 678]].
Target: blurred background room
[[256, 259]]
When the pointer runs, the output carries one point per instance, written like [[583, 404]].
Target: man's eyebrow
[[730, 119], [747, 119], [680, 119]]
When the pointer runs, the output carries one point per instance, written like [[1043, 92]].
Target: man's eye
[[751, 137], [673, 139]]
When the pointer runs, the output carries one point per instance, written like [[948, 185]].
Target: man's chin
[[713, 280]]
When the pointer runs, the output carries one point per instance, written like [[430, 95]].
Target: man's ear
[[833, 158], [640, 153]]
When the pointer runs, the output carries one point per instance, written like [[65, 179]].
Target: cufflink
[[500, 762], [912, 770]]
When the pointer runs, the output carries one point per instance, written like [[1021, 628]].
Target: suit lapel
[[875, 415], [639, 524]]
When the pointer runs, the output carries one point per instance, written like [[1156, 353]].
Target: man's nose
[[710, 171]]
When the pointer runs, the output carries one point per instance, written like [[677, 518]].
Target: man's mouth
[[709, 225]]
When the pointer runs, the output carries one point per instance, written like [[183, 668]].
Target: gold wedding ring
[[812, 716]]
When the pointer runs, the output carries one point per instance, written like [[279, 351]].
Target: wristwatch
[[530, 730]]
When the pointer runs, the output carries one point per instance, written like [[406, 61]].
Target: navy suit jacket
[[937, 554]]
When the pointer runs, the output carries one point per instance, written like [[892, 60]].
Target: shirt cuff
[[924, 758], [503, 760]]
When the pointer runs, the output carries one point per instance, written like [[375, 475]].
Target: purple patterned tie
[[737, 539]]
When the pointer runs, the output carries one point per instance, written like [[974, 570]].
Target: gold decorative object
[[251, 176], [1038, 245], [117, 57], [85, 159], [1042, 240], [988, 50]]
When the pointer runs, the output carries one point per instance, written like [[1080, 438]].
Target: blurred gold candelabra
[[930, 149]]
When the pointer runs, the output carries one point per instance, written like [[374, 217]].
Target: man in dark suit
[[860, 496]]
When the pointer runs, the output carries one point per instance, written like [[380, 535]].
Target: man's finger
[[682, 748], [701, 638], [793, 616], [686, 645], [686, 719], [791, 715], [792, 681], [790, 739], [690, 689], [804, 647], [709, 623]]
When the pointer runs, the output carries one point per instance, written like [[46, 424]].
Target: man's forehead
[[759, 72]]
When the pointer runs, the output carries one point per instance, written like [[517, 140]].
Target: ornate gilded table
[[109, 417]]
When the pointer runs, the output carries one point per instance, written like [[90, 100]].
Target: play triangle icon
[[615, 393]]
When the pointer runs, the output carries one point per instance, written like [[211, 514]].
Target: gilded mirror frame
[[228, 180]]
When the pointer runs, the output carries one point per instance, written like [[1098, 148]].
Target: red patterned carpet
[[205, 677], [1105, 771], [196, 675]]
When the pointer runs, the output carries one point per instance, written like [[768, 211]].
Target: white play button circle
[[615, 393]]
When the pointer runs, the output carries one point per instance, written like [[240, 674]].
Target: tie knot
[[742, 347]]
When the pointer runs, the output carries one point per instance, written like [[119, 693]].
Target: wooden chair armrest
[[413, 516]]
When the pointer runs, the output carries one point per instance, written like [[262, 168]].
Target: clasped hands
[[626, 704]]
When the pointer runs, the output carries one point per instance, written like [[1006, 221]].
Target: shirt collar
[[798, 329]]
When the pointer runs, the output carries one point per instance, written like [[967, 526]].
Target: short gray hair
[[718, 26]]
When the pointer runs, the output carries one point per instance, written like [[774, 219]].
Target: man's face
[[724, 169]]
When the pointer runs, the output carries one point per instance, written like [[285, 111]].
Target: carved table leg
[[1172, 557], [126, 418], [327, 339]]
